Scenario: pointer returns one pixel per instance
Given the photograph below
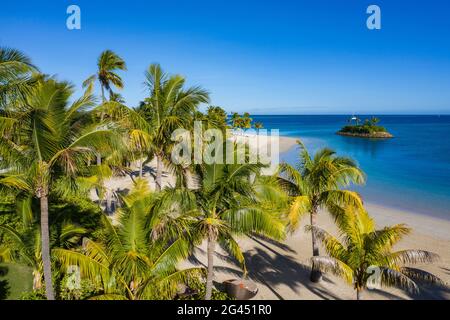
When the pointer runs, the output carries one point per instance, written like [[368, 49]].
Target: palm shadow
[[275, 269]]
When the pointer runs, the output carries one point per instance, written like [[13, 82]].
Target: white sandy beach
[[281, 271]]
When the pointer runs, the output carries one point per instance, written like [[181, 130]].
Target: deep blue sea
[[409, 172]]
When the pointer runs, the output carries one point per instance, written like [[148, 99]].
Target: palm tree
[[317, 183], [258, 126], [108, 63], [235, 120], [374, 121], [45, 140], [230, 203], [138, 132], [246, 121], [116, 97], [139, 255], [168, 107], [216, 117], [365, 249], [15, 76], [28, 245]]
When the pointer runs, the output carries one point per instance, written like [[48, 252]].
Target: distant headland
[[367, 129]]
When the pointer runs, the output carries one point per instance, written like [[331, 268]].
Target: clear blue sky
[[313, 56]]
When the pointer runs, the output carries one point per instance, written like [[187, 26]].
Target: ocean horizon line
[[361, 114]]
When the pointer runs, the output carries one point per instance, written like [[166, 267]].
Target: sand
[[281, 270]]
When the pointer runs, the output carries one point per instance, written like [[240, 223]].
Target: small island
[[368, 129]]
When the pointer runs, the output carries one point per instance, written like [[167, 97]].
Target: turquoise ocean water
[[409, 172]]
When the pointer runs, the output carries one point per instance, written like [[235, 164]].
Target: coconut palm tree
[[170, 106], [107, 65], [140, 252], [15, 76], [45, 140], [27, 245], [246, 121], [138, 132], [258, 126], [364, 249], [216, 117], [232, 201], [116, 97], [318, 183], [235, 120]]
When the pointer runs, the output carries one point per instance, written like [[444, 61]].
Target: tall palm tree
[[107, 65], [230, 203], [246, 121], [318, 183], [364, 249], [234, 119], [170, 106], [258, 126], [216, 117], [139, 255], [45, 139]]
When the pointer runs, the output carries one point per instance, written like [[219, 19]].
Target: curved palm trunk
[[316, 275], [159, 168], [45, 239], [210, 276]]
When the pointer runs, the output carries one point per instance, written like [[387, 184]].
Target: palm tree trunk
[[316, 275], [102, 115], [158, 172], [46, 249], [141, 167], [358, 294], [37, 280], [210, 275]]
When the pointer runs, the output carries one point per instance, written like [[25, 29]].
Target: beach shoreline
[[281, 269]]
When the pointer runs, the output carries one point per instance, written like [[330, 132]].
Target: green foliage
[[198, 289], [138, 257], [14, 280], [85, 290], [107, 65], [368, 127], [33, 295], [364, 246], [319, 182], [242, 122]]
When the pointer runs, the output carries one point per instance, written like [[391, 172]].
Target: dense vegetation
[[58, 151], [368, 127]]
